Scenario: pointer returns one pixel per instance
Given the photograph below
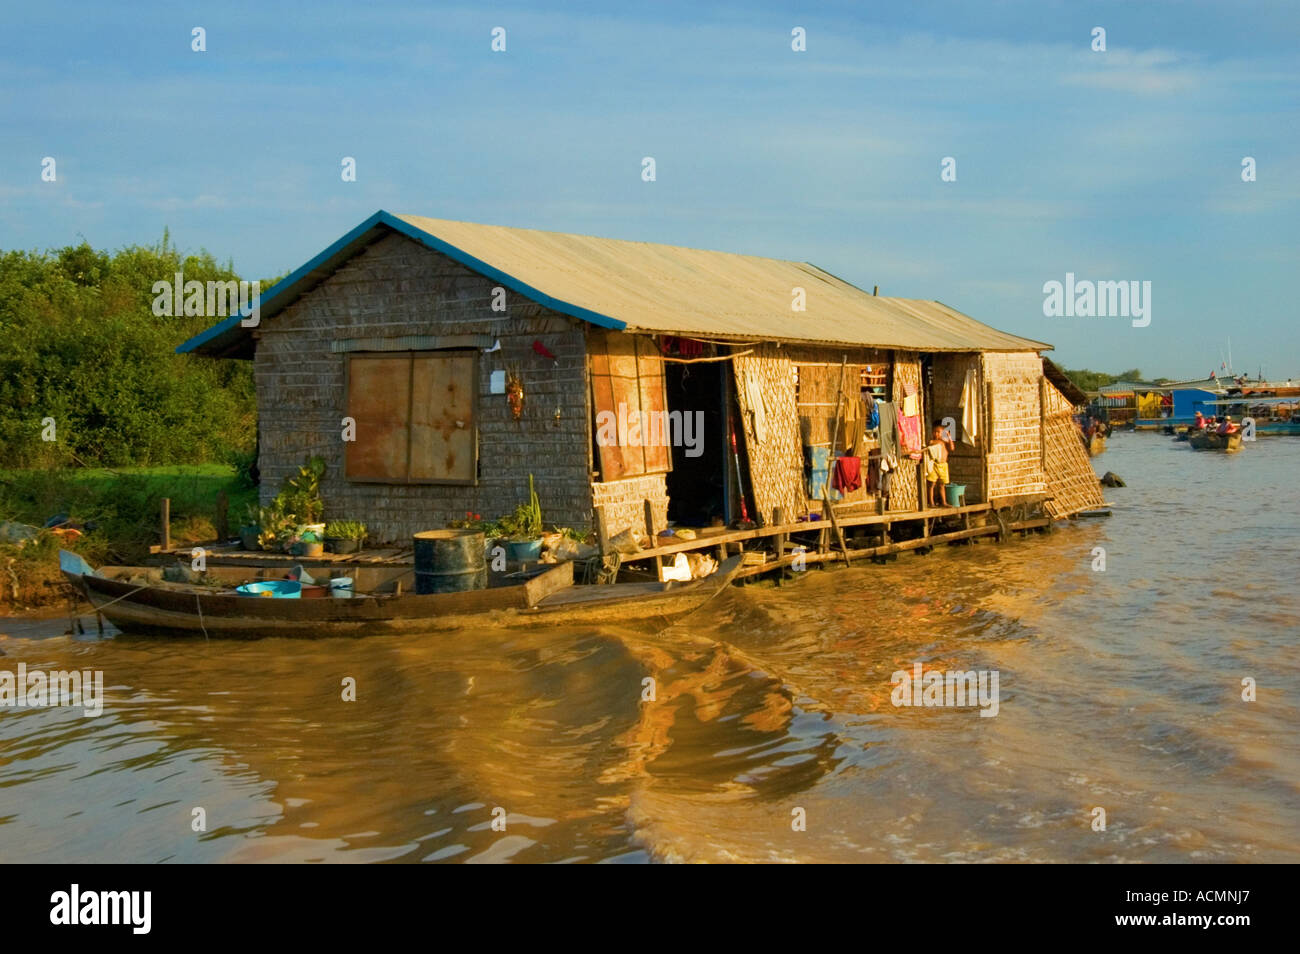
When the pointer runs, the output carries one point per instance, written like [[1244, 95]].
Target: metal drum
[[450, 561]]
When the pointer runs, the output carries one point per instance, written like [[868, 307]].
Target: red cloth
[[909, 432], [848, 474]]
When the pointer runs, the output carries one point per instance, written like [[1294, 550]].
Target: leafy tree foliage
[[79, 343]]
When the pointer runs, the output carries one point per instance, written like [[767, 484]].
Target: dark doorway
[[697, 493]]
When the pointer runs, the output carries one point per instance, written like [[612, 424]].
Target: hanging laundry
[[820, 458], [848, 474], [970, 391], [853, 427], [911, 404], [888, 427], [873, 475], [909, 433]]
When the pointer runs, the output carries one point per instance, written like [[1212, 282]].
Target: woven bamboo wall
[[1015, 450], [903, 492], [1070, 477], [776, 462]]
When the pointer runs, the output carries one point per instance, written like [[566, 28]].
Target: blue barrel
[[450, 561]]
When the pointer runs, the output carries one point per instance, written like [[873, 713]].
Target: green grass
[[123, 502]]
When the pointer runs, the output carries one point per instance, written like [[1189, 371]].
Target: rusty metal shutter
[[416, 416]]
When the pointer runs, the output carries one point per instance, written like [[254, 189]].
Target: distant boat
[[1212, 440], [551, 598], [1289, 428]]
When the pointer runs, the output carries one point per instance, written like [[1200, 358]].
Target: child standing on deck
[[936, 466]]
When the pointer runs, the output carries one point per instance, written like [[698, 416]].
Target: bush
[[81, 349]]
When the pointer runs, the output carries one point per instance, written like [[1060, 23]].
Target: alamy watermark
[[37, 689], [954, 689], [195, 299], [1089, 299], [638, 428]]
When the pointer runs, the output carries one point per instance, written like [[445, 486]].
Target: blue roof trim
[[341, 250]]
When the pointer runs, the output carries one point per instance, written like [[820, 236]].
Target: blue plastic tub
[[955, 492], [524, 551], [280, 589]]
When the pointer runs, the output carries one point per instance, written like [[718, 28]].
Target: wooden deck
[[772, 548]]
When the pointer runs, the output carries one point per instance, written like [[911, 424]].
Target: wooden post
[[223, 517], [778, 518], [602, 531], [1042, 422], [650, 532], [165, 515]]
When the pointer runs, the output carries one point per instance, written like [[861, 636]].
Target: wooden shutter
[[627, 370], [443, 398], [416, 416], [653, 394], [379, 400]]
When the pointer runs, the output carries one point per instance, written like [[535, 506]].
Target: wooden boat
[[1094, 512], [551, 598], [1211, 440]]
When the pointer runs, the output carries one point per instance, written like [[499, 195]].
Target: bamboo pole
[[826, 487]]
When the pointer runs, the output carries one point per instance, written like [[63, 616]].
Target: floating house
[[435, 365]]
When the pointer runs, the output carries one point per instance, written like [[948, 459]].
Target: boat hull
[[550, 599], [1227, 443]]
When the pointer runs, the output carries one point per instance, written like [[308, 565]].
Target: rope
[[721, 357], [199, 606], [602, 569]]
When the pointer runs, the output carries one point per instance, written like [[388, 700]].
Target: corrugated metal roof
[[667, 288], [641, 286]]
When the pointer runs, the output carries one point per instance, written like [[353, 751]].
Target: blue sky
[[1122, 165]]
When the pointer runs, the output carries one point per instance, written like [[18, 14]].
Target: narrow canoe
[[177, 609]]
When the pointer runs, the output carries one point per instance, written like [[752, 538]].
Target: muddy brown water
[[1119, 689]]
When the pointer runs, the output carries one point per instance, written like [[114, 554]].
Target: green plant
[[300, 495], [526, 522], [345, 530], [274, 527]]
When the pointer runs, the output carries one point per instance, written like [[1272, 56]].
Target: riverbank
[[106, 515]]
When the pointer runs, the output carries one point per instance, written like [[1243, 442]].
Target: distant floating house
[[470, 356]]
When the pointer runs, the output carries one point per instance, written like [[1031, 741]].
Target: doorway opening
[[698, 485]]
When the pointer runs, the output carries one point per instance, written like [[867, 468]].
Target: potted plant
[[302, 495], [344, 536], [306, 542], [523, 528], [251, 528], [274, 527]]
